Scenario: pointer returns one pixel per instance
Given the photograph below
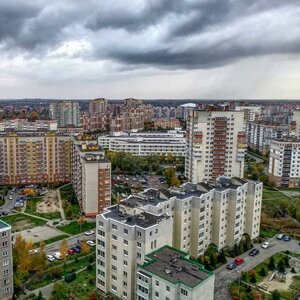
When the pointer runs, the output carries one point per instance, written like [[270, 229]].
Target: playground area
[[49, 203]]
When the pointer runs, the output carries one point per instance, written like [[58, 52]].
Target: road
[[9, 204], [224, 277]]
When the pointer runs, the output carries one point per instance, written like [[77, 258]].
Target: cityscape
[[149, 150]]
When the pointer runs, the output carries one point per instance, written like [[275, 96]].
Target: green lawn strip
[[71, 266], [267, 233], [31, 207], [52, 240], [74, 228], [293, 291], [15, 218]]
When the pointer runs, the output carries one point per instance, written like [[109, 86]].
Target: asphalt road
[[224, 277], [9, 204]]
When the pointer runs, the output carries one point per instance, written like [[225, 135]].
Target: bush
[[293, 270], [263, 272], [89, 267], [253, 278], [70, 270], [91, 259], [91, 279], [70, 277], [56, 272], [76, 259]]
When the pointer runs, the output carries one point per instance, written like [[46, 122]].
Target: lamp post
[[239, 280]]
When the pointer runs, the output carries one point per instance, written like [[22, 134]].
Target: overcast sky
[[150, 49]]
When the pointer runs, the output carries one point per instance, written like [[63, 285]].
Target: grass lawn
[[31, 209], [74, 227], [73, 266], [52, 240], [267, 233], [16, 219], [81, 288]]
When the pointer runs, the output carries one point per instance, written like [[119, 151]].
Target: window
[[5, 272], [125, 294], [125, 284], [101, 253], [114, 277], [101, 233], [5, 244], [6, 290], [101, 273], [139, 233], [114, 227], [100, 223], [167, 288], [125, 252], [114, 288], [4, 234], [125, 231], [125, 242], [125, 263], [114, 247], [139, 244], [114, 237], [5, 253], [142, 289], [139, 255], [157, 294], [125, 274], [113, 257], [101, 243], [157, 283], [114, 268], [183, 292]]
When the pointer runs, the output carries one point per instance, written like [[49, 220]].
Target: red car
[[71, 252], [239, 261]]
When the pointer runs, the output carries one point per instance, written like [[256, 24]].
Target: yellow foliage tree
[[64, 249], [85, 248], [80, 221]]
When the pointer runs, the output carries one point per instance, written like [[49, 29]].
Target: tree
[[286, 261], [221, 257], [174, 181], [262, 272], [58, 292], [281, 266], [80, 221], [64, 249], [271, 264], [253, 278], [276, 295], [85, 248], [93, 296]]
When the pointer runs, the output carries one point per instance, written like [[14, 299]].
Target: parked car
[[231, 266], [50, 257], [238, 261], [91, 243], [57, 255], [77, 249], [10, 197], [279, 236], [265, 245], [90, 232], [5, 213], [286, 238], [34, 251], [71, 251], [254, 252]]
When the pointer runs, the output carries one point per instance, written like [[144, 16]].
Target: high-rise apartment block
[[6, 262], [98, 106], [169, 274], [24, 125], [260, 136], [91, 176], [189, 219], [251, 112], [34, 158], [284, 163], [65, 112], [216, 144], [296, 123]]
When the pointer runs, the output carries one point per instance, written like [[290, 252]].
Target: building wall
[[6, 262]]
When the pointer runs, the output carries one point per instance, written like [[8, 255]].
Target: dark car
[[286, 238], [231, 266], [77, 249], [254, 252], [5, 213]]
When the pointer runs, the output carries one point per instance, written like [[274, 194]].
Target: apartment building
[[216, 144], [65, 112], [166, 123], [169, 274], [145, 143], [34, 158], [260, 136], [189, 219], [91, 175], [251, 112], [25, 125], [98, 106], [6, 262], [284, 163], [296, 122], [94, 122]]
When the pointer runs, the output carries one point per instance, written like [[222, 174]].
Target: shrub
[[70, 277], [262, 272], [56, 272], [253, 278], [89, 267], [76, 259], [293, 270], [91, 259], [90, 279]]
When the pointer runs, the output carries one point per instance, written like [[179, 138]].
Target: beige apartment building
[[6, 262], [168, 273], [216, 144], [34, 158], [189, 219], [91, 175]]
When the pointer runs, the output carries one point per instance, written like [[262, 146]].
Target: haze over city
[[163, 49]]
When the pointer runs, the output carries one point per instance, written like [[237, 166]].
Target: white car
[[50, 257], [34, 251], [91, 243], [10, 197], [57, 255], [265, 245], [90, 232], [279, 236]]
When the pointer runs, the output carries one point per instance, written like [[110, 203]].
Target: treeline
[[127, 163]]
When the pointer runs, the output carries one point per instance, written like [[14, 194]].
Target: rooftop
[[4, 225], [174, 266], [143, 220]]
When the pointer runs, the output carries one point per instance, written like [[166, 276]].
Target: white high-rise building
[[216, 145], [189, 219], [65, 112], [251, 112]]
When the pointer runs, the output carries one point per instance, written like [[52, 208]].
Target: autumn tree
[[80, 221], [85, 248], [64, 249]]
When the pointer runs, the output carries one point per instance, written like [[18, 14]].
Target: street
[[9, 204], [224, 277]]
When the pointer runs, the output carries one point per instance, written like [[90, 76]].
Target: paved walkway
[[62, 212]]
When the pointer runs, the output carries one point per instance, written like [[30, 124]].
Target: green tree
[[286, 261], [253, 278], [58, 292], [271, 264], [263, 272], [221, 257], [276, 295], [281, 266]]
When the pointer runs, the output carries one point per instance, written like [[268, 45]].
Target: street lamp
[[239, 280]]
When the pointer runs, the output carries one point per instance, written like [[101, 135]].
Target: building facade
[[284, 163], [65, 112], [34, 158], [145, 143], [260, 136], [6, 262], [189, 219], [24, 125], [91, 176], [169, 274], [216, 145], [251, 112], [98, 106]]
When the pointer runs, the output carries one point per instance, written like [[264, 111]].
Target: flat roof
[[143, 220], [173, 265], [4, 225]]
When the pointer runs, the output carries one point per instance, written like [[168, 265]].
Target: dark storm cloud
[[171, 34]]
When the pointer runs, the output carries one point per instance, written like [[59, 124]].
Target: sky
[[150, 49]]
